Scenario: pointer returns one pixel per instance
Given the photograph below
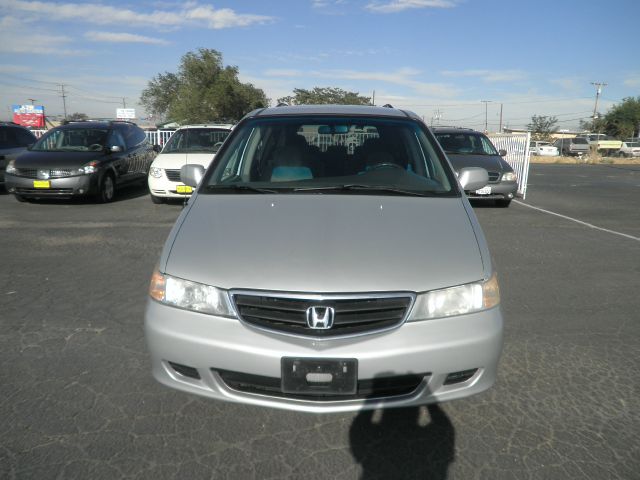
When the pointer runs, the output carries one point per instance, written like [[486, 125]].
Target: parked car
[[81, 159], [576, 146], [604, 144], [543, 149], [629, 149], [469, 148], [317, 279], [14, 139], [195, 144]]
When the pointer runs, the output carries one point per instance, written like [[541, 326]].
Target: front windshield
[[466, 143], [72, 140], [359, 155], [196, 140]]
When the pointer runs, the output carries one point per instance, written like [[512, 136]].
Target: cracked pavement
[[77, 399]]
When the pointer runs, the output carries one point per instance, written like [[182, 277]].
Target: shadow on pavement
[[403, 443]]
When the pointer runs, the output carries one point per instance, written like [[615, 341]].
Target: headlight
[[447, 302], [190, 295], [155, 172], [11, 167], [509, 177], [88, 169]]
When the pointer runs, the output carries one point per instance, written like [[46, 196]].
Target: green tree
[[324, 95], [623, 120], [203, 90], [78, 117], [542, 127]]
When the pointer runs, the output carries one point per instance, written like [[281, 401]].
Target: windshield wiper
[[233, 188], [354, 187]]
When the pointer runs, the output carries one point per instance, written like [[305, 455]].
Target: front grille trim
[[398, 320], [393, 387], [172, 174]]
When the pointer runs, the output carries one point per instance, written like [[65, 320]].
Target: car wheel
[[503, 203], [157, 200], [20, 198], [106, 189]]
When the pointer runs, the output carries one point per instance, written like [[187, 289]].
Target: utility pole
[[500, 118], [373, 99], [598, 86], [485, 115], [64, 99], [32, 100], [124, 103]]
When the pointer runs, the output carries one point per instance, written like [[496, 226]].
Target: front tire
[[157, 200], [503, 203], [20, 198], [106, 188]]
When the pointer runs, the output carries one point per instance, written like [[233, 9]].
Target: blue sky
[[439, 58]]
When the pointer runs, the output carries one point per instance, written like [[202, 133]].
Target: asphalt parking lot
[[77, 399]]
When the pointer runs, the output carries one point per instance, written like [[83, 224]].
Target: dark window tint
[[7, 138], [580, 141], [25, 137]]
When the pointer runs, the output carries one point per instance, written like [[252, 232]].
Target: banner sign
[[29, 115], [125, 113]]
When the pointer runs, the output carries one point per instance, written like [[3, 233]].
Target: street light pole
[[485, 115]]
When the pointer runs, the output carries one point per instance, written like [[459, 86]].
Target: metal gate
[[517, 147]]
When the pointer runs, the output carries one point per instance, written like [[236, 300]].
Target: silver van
[[328, 261]]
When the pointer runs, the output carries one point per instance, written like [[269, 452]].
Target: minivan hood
[[177, 160], [326, 243], [491, 163], [31, 159]]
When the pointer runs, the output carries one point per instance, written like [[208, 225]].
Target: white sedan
[[543, 149], [193, 144]]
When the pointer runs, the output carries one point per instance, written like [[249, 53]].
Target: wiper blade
[[240, 188], [364, 188]]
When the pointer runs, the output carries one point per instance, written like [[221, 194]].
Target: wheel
[[565, 152], [503, 203], [106, 189], [157, 200], [20, 198]]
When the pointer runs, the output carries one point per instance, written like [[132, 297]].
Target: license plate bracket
[[184, 189], [484, 191], [319, 376], [41, 184]]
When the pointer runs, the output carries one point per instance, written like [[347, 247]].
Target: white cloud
[[406, 77], [115, 37], [190, 14], [32, 41], [395, 6], [489, 76], [632, 80]]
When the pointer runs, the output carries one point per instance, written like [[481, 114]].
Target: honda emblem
[[320, 318]]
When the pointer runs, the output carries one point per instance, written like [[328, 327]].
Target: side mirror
[[472, 178], [157, 148], [502, 152], [191, 174], [115, 149], [30, 146]]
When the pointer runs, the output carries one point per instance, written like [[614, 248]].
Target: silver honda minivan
[[328, 261]]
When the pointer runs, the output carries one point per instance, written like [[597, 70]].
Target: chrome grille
[[33, 173], [352, 315], [173, 175], [26, 172]]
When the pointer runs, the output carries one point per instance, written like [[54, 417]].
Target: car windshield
[[362, 155], [466, 143], [579, 140], [196, 140], [72, 140]]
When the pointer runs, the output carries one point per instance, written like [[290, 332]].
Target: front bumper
[[499, 191], [165, 188], [211, 345], [58, 187]]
